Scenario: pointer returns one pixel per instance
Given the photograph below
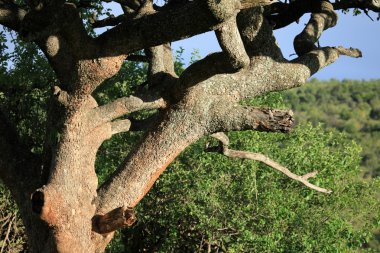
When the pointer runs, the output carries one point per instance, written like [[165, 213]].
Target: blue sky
[[351, 31]]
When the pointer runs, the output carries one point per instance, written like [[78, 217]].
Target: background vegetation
[[205, 202], [349, 106]]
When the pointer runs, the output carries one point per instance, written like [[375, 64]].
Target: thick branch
[[232, 45], [266, 75], [318, 59], [264, 159], [211, 65], [237, 117], [162, 27], [323, 19]]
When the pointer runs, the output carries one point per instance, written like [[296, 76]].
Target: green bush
[[210, 202]]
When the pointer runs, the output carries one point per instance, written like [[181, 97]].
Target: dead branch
[[266, 160], [118, 218]]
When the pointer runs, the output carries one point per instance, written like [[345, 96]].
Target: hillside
[[350, 106]]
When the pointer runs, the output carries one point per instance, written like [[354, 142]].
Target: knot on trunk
[[43, 204]]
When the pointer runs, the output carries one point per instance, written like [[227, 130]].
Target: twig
[[264, 159], [7, 234]]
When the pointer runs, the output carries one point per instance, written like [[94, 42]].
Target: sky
[[351, 31]]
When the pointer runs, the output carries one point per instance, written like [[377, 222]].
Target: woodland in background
[[349, 106]]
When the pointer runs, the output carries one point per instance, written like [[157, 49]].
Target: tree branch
[[266, 160], [237, 118], [125, 105], [163, 27], [319, 21], [229, 40], [318, 59]]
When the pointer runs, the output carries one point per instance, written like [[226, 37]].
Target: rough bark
[[63, 208]]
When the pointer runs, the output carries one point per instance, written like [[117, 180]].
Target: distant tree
[[53, 180]]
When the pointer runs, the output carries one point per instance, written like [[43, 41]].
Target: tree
[[56, 188]]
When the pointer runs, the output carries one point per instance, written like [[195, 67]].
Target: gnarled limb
[[319, 21], [266, 160], [162, 27], [229, 40]]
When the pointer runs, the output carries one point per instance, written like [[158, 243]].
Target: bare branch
[[118, 218], [266, 160], [318, 59], [237, 117], [161, 64], [211, 65], [323, 19], [126, 105]]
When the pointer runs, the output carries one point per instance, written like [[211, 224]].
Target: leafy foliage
[[209, 202]]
